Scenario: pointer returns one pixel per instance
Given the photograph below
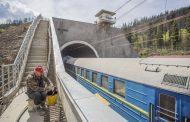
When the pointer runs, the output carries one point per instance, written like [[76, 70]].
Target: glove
[[50, 87]]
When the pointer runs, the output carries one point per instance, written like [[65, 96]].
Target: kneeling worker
[[37, 85]]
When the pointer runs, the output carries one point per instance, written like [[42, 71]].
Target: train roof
[[172, 74]]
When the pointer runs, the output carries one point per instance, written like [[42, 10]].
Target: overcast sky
[[84, 10]]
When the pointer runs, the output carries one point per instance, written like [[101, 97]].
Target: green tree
[[184, 36], [188, 24], [134, 40], [159, 35], [166, 38], [140, 40], [174, 35]]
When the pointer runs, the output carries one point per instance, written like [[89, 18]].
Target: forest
[[164, 34], [14, 22]]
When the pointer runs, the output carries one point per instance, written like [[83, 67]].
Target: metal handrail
[[167, 115], [167, 110], [164, 113], [15, 71]]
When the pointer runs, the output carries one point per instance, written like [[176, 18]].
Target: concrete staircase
[[38, 53]]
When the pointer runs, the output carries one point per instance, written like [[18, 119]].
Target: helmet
[[39, 69]]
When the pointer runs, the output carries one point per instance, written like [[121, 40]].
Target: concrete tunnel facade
[[81, 39]]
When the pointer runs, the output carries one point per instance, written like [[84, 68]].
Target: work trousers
[[38, 97]]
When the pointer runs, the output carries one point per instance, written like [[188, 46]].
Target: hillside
[[11, 38], [163, 34]]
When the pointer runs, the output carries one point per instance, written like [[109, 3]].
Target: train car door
[[167, 105]]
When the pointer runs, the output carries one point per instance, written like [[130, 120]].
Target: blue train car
[[141, 90]]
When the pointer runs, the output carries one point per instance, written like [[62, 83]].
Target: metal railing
[[166, 113], [11, 74]]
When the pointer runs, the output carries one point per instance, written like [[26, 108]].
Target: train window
[[72, 68], [87, 75], [82, 72], [119, 88], [94, 77], [75, 69], [104, 80], [78, 71], [167, 106]]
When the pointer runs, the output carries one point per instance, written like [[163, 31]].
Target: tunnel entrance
[[78, 49]]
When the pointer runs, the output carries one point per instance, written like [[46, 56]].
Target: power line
[[122, 5], [136, 31], [144, 29], [131, 9], [141, 41]]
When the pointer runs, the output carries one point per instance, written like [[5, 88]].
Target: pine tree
[[188, 24], [159, 32], [166, 38], [174, 35]]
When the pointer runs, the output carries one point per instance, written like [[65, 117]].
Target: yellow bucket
[[51, 100]]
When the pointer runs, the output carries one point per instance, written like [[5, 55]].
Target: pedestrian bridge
[[75, 103]]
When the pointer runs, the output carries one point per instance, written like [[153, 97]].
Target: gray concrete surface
[[12, 113], [69, 30], [79, 104]]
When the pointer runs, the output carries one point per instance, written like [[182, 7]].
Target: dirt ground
[[10, 42]]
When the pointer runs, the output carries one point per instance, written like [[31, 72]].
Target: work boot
[[31, 106], [41, 110], [43, 106]]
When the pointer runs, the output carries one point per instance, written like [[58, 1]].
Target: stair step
[[37, 61], [35, 64], [34, 50], [35, 54], [37, 58], [40, 40], [38, 51], [42, 45], [38, 46], [29, 69]]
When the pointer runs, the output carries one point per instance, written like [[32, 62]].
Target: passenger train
[[141, 90]]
